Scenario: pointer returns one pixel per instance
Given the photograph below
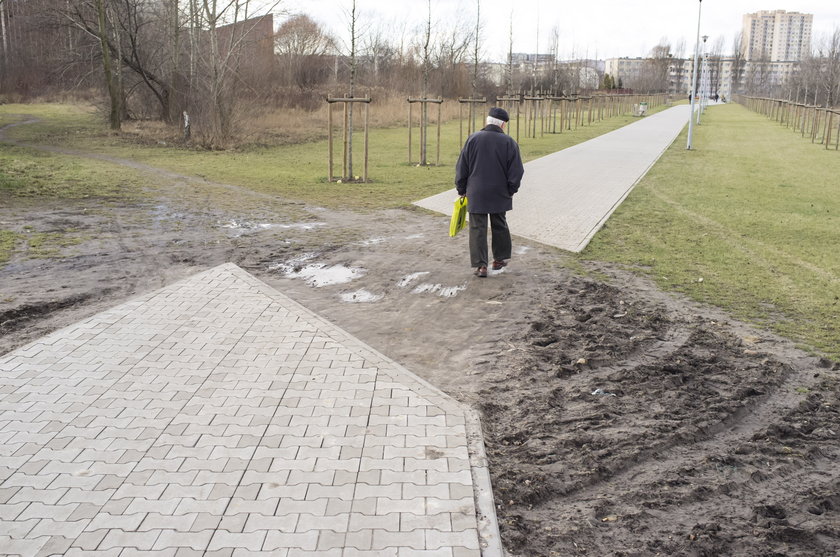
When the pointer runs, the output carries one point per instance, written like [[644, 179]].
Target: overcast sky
[[602, 28]]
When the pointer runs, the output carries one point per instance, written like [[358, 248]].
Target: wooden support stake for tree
[[346, 135], [471, 104], [367, 120], [533, 112], [410, 118], [508, 103], [815, 124], [460, 124], [828, 130], [424, 122], [346, 126], [330, 136], [437, 161], [837, 144]]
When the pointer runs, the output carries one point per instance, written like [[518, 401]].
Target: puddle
[[408, 279], [292, 264], [439, 289], [415, 237], [317, 274], [371, 241], [163, 213], [360, 297], [247, 227], [521, 250]]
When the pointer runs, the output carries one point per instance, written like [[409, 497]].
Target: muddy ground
[[619, 420]]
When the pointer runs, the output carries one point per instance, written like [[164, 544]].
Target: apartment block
[[776, 36]]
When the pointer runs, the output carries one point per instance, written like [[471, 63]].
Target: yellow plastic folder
[[459, 216]]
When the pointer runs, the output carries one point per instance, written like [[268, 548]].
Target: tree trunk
[[352, 91], [117, 71], [4, 42], [110, 79], [476, 52], [173, 45], [424, 110]]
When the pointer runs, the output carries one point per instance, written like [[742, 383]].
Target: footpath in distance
[[567, 196]]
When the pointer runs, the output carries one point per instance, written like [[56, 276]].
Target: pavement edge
[[490, 540]]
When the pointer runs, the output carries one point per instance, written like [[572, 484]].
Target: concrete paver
[[566, 197], [218, 416]]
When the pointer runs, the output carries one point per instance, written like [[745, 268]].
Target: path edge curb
[[490, 541]]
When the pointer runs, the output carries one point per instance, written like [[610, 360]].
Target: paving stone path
[[566, 197], [217, 417]]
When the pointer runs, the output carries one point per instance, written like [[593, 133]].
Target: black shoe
[[497, 265], [481, 272]]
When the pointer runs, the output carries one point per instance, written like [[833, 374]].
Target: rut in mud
[[618, 427]]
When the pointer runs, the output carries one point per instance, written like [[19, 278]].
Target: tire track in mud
[[638, 473], [677, 452], [749, 487]]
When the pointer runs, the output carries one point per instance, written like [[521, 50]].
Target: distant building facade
[[776, 36], [625, 71], [726, 75]]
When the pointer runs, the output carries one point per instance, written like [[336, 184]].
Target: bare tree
[[302, 44], [509, 76], [451, 54], [554, 51], [110, 78], [655, 74], [352, 20], [133, 42], [477, 47], [830, 79], [381, 57], [4, 42], [737, 63], [424, 106], [715, 61]]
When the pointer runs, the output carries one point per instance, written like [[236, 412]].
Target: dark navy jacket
[[489, 171]]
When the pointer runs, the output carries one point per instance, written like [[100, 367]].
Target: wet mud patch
[[15, 318], [615, 426]]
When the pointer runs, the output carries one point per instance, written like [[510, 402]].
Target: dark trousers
[[478, 238]]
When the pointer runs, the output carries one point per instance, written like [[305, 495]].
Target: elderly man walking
[[488, 173]]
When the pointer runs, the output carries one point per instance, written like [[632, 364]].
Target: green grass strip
[[295, 172], [7, 245], [749, 220], [26, 172]]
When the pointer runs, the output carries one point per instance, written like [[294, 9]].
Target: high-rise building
[[776, 36]]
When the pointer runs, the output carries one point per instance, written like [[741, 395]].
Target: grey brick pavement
[[566, 197], [218, 417]]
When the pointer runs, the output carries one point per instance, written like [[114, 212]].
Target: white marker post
[[694, 80]]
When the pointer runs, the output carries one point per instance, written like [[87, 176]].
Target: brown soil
[[619, 420]]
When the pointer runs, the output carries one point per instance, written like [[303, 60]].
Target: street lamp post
[[694, 80], [704, 94]]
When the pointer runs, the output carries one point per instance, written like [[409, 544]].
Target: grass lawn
[[30, 173], [7, 245], [748, 220], [292, 171]]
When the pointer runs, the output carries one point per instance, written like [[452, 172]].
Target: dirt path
[[619, 420]]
